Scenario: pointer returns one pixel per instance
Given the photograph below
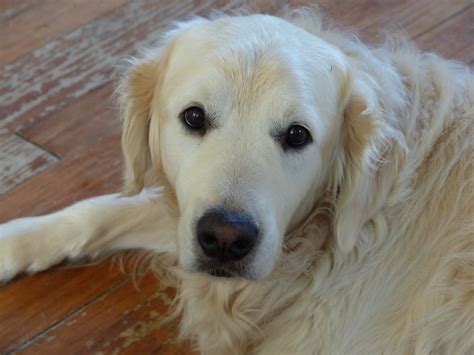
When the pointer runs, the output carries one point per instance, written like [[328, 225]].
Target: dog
[[313, 195]]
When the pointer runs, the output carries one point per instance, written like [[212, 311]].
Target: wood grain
[[70, 66], [29, 24], [92, 119], [34, 303], [92, 171], [20, 159], [125, 320], [372, 18], [454, 38]]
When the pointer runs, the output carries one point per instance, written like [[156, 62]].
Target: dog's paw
[[11, 263], [15, 253], [27, 245]]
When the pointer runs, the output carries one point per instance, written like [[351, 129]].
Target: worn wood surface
[[23, 317], [20, 159], [28, 24], [59, 143]]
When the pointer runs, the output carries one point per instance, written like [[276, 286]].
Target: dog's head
[[249, 119]]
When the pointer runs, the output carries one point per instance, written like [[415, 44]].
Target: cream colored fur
[[371, 252]]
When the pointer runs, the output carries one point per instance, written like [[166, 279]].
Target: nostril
[[241, 244], [208, 243], [209, 240], [241, 247]]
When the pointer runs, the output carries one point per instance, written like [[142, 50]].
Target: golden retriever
[[316, 195]]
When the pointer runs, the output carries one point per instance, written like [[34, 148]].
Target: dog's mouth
[[226, 270], [220, 273]]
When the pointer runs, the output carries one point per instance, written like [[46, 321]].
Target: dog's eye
[[297, 137], [194, 117]]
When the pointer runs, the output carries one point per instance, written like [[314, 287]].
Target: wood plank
[[20, 159], [125, 320], [93, 171], [70, 66], [454, 38], [29, 24], [405, 16], [371, 17], [91, 119], [31, 304]]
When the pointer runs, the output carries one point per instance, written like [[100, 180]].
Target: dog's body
[[378, 247]]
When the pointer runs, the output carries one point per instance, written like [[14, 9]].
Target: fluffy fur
[[378, 259]]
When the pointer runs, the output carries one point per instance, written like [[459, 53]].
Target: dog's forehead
[[224, 45], [250, 67]]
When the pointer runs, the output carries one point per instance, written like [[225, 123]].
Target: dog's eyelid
[[210, 112], [280, 130], [192, 104]]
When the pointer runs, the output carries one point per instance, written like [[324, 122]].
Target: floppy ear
[[137, 90], [353, 179]]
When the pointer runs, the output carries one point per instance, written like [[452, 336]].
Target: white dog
[[317, 195]]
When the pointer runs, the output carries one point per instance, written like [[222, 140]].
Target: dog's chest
[[342, 315], [276, 319]]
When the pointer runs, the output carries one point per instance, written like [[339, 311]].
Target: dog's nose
[[226, 236]]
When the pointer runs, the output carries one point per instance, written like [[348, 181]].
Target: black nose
[[226, 236]]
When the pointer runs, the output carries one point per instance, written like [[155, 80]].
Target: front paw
[[11, 262], [15, 253]]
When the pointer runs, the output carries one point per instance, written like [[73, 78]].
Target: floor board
[[61, 293], [78, 62], [372, 18], [92, 119], [93, 170], [29, 24], [20, 159], [454, 38], [125, 319]]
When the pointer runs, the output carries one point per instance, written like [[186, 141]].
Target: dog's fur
[[367, 243]]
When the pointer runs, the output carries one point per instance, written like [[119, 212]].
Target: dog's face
[[244, 125]]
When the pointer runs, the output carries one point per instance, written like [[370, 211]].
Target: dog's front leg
[[87, 228]]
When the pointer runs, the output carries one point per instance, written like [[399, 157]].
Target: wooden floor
[[59, 142]]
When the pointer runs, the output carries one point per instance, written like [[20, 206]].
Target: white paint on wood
[[78, 62], [19, 160]]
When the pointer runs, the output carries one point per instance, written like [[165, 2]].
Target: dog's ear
[[137, 90], [353, 176]]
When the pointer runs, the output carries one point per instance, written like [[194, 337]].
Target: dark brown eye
[[297, 137], [194, 117]]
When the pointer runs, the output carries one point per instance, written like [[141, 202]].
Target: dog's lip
[[221, 273], [226, 271], [217, 271]]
